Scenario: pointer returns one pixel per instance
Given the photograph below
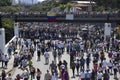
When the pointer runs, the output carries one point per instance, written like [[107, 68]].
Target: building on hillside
[[83, 5]]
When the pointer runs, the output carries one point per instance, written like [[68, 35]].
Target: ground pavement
[[9, 68], [41, 65]]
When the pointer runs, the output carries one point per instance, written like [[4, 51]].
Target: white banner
[[107, 31], [69, 16]]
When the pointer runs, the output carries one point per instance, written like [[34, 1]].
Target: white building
[[24, 2], [84, 5]]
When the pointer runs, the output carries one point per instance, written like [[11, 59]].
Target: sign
[[69, 16]]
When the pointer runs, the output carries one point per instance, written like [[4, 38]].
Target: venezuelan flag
[[51, 17]]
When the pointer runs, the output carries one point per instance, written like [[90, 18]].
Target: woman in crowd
[[38, 74]]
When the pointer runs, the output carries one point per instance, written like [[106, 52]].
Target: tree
[[10, 9], [69, 5], [5, 2], [8, 25], [62, 6], [108, 4], [100, 8]]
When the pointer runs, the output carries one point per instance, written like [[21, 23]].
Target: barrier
[[6, 46]]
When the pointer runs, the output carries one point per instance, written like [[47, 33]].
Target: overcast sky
[[40, 0]]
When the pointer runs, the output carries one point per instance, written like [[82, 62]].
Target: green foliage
[[44, 6], [62, 6], [35, 8], [39, 8], [69, 5], [100, 8], [5, 2], [10, 9], [108, 4], [64, 1], [49, 4], [8, 25], [100, 4]]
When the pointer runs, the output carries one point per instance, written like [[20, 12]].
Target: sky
[[40, 0]]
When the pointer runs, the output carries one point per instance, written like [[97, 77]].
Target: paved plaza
[[78, 43], [41, 65]]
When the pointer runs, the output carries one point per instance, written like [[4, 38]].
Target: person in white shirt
[[99, 75], [82, 75], [104, 64], [6, 59], [16, 55], [110, 66], [46, 54], [25, 75], [54, 77]]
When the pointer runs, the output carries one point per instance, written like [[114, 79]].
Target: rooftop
[[83, 2]]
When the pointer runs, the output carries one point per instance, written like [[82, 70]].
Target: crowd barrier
[[6, 46]]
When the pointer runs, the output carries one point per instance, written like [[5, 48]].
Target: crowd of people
[[49, 31], [91, 56], [22, 14]]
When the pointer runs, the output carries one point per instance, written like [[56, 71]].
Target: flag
[[51, 17]]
